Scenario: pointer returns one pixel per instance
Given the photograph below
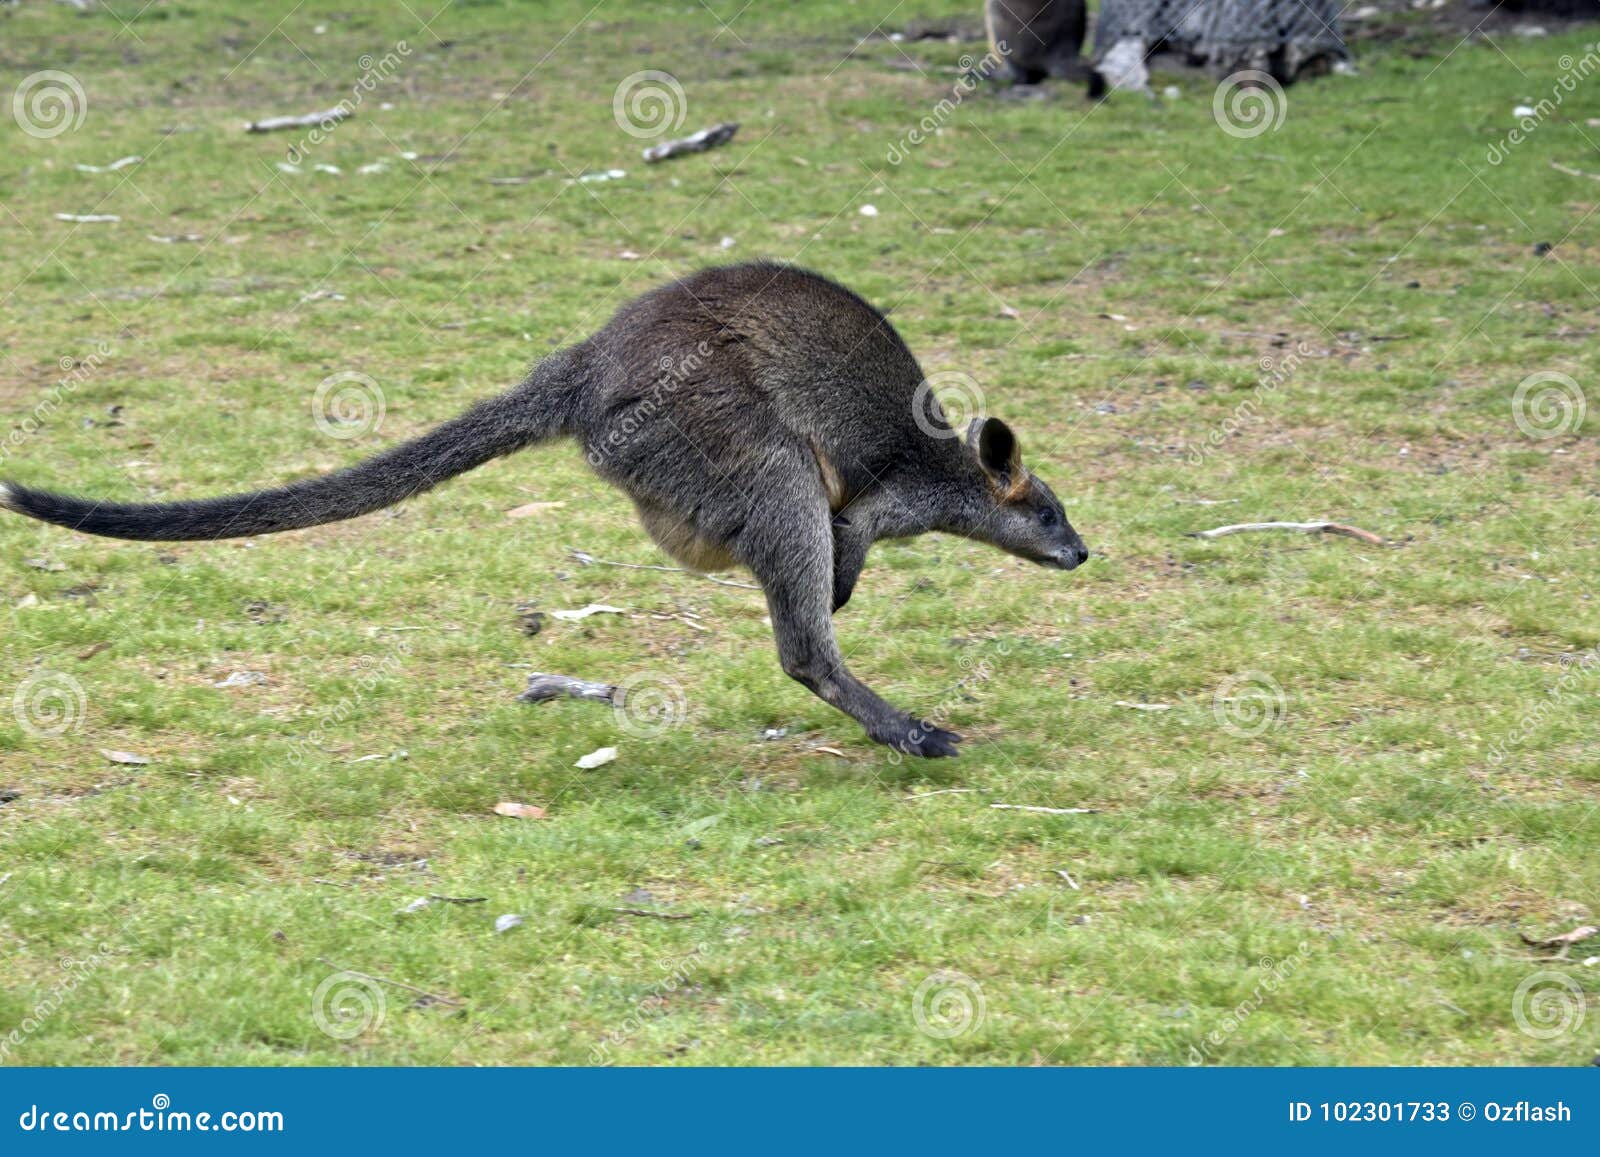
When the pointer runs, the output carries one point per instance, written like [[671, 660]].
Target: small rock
[[507, 922]]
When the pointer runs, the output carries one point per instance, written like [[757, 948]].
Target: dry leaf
[[91, 652], [532, 508], [519, 811], [123, 757], [1566, 939], [596, 758]]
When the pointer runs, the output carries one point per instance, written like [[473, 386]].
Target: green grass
[[1365, 837]]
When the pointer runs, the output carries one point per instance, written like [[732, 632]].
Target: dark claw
[[926, 740]]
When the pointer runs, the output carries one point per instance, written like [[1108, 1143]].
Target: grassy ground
[[1372, 767]]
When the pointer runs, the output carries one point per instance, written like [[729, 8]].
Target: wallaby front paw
[[922, 738]]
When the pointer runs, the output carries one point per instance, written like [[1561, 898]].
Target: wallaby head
[[1013, 508]]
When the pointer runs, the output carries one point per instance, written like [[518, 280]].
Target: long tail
[[538, 409]]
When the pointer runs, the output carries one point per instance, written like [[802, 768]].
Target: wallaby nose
[[1072, 557]]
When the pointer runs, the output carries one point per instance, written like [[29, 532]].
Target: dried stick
[[588, 559], [1049, 811], [1298, 527], [655, 915], [698, 143], [433, 996], [542, 687], [272, 124]]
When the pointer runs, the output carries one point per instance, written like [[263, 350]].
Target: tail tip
[[8, 497]]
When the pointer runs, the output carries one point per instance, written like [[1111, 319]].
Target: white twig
[[271, 124], [1067, 876], [945, 791], [588, 559], [1571, 172], [1049, 811], [1297, 527]]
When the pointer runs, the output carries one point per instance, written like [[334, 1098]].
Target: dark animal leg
[[789, 548]]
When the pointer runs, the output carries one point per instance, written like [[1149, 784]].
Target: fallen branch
[[698, 143], [1571, 172], [433, 996], [272, 124], [655, 915], [1049, 811], [1297, 527], [587, 559], [543, 687]]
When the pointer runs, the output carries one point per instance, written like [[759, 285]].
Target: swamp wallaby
[[1037, 39], [756, 414]]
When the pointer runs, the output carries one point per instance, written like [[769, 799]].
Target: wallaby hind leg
[[789, 548]]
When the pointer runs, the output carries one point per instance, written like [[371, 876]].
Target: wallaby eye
[[1047, 517]]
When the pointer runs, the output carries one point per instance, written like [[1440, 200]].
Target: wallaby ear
[[996, 444]]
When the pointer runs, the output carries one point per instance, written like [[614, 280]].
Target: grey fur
[[1041, 38], [756, 414]]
